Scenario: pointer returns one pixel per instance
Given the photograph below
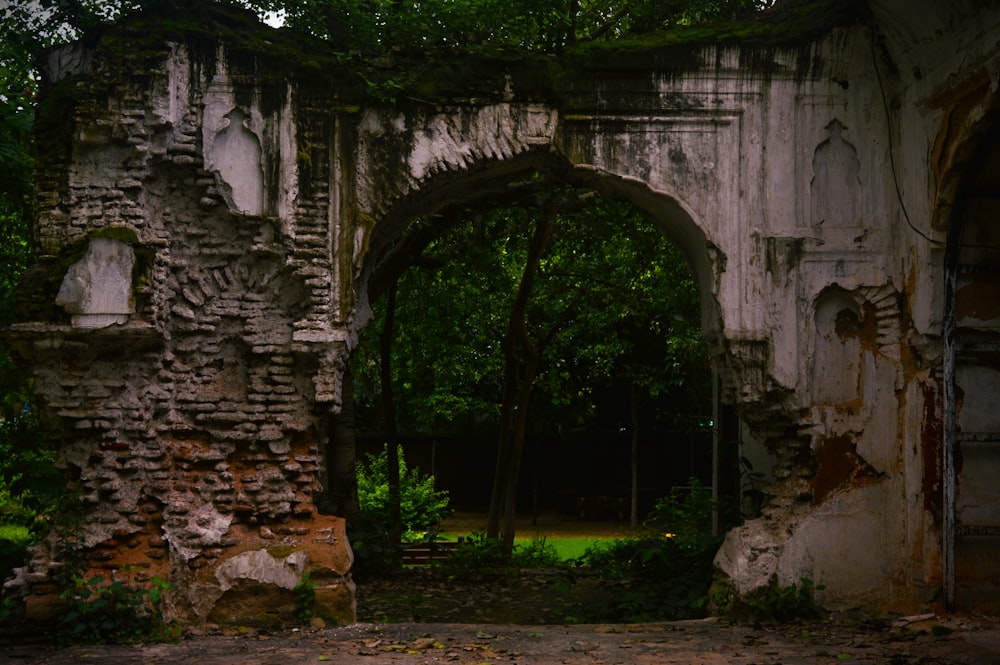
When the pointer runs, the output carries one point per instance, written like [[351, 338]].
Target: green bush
[[779, 603], [535, 553], [31, 488], [305, 599], [684, 513], [660, 578], [478, 554], [665, 573], [421, 508], [100, 610]]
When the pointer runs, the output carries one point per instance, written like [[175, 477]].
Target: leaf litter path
[[467, 638], [703, 642]]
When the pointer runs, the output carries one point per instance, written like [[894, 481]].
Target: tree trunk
[[391, 435], [633, 519], [342, 454], [536, 481], [532, 361], [504, 446], [517, 386]]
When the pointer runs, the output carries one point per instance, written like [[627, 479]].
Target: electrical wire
[[892, 157]]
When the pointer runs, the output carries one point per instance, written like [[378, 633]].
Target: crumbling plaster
[[194, 428]]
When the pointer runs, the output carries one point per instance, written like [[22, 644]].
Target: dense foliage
[[29, 484], [423, 507], [547, 25], [99, 610], [379, 31], [609, 329], [685, 513], [615, 299], [665, 570]]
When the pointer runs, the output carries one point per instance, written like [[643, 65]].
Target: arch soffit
[[968, 115], [675, 220]]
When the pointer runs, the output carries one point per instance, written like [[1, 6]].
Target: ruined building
[[211, 200]]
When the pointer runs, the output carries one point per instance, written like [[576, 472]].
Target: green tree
[[522, 354], [380, 30], [30, 486], [17, 83], [639, 331], [604, 300]]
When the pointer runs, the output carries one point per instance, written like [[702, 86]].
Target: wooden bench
[[422, 554]]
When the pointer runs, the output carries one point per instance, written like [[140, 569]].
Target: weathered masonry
[[209, 212]]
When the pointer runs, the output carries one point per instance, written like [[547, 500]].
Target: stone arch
[[450, 142], [969, 113], [675, 221], [971, 326]]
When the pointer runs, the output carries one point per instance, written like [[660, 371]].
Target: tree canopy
[[391, 25], [611, 309], [548, 25], [613, 298]]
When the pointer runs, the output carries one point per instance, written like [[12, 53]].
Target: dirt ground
[[704, 642], [522, 619]]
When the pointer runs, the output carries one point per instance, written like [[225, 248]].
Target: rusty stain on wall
[[839, 466]]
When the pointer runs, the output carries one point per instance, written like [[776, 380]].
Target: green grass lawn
[[567, 547]]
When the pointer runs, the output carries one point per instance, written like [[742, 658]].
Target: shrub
[[666, 572], [779, 603], [31, 488], [536, 553], [421, 506], [685, 512], [479, 554], [100, 610], [661, 578], [305, 599]]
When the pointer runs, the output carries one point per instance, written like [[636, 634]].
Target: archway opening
[[970, 497], [572, 308]]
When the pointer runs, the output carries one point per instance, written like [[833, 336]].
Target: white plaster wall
[[849, 545]]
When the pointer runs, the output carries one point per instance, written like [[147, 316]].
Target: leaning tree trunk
[[516, 389], [532, 361], [504, 447]]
